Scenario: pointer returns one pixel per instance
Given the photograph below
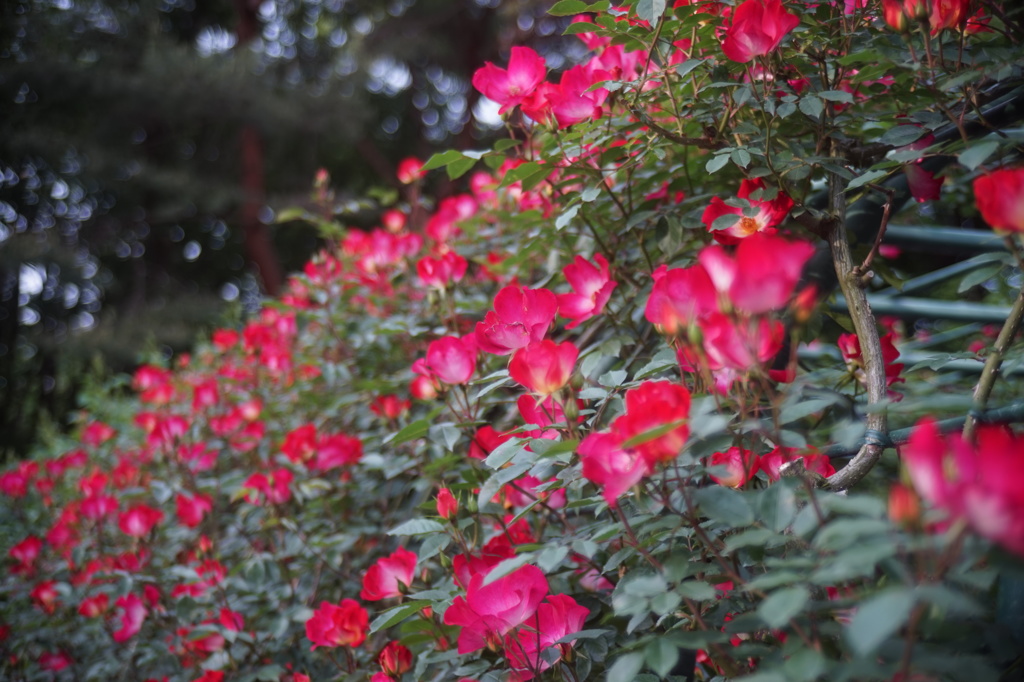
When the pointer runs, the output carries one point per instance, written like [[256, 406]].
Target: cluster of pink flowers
[[653, 430], [972, 482], [517, 614], [720, 311], [518, 325], [736, 466], [569, 101], [940, 15]]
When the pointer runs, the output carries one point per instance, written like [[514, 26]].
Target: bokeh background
[[153, 151]]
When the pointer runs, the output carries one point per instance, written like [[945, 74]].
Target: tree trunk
[[259, 248]]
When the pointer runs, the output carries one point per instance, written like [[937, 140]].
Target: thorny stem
[[908, 640], [699, 142], [945, 561], [727, 568], [647, 62], [337, 663], [722, 657], [635, 541]]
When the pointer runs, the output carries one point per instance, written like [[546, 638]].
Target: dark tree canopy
[[146, 147]]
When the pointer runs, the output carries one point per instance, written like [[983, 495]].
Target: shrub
[[561, 426]]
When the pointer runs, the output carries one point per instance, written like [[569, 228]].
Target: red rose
[[343, 624]]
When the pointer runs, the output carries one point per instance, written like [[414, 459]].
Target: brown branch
[[867, 334], [995, 358], [861, 270], [699, 142]]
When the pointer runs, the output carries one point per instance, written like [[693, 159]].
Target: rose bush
[[590, 419]]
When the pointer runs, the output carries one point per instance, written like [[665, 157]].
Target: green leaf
[[551, 557], [567, 8], [794, 411], [781, 606], [432, 545], [755, 537], [724, 505], [270, 672], [641, 586], [904, 156], [976, 277], [442, 159], [953, 603], [496, 380], [836, 96], [902, 135], [625, 669], [805, 665], [812, 106], [456, 169], [414, 430], [447, 434], [416, 527], [504, 453], [589, 194], [612, 379], [861, 57], [584, 634], [878, 618], [537, 177], [399, 613], [975, 155], [638, 218], [688, 66], [716, 163], [650, 10], [697, 590], [665, 359], [865, 178], [661, 656], [697, 639], [786, 109], [290, 214], [520, 172], [651, 434], [763, 677], [566, 217], [775, 579], [776, 506], [741, 157], [506, 143], [844, 533], [724, 222], [579, 27], [503, 568], [592, 393], [489, 489]]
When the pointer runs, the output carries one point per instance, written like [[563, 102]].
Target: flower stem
[[995, 359]]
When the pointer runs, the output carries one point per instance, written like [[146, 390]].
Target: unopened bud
[[447, 505], [904, 505]]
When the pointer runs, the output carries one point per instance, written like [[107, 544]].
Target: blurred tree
[[144, 145]]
